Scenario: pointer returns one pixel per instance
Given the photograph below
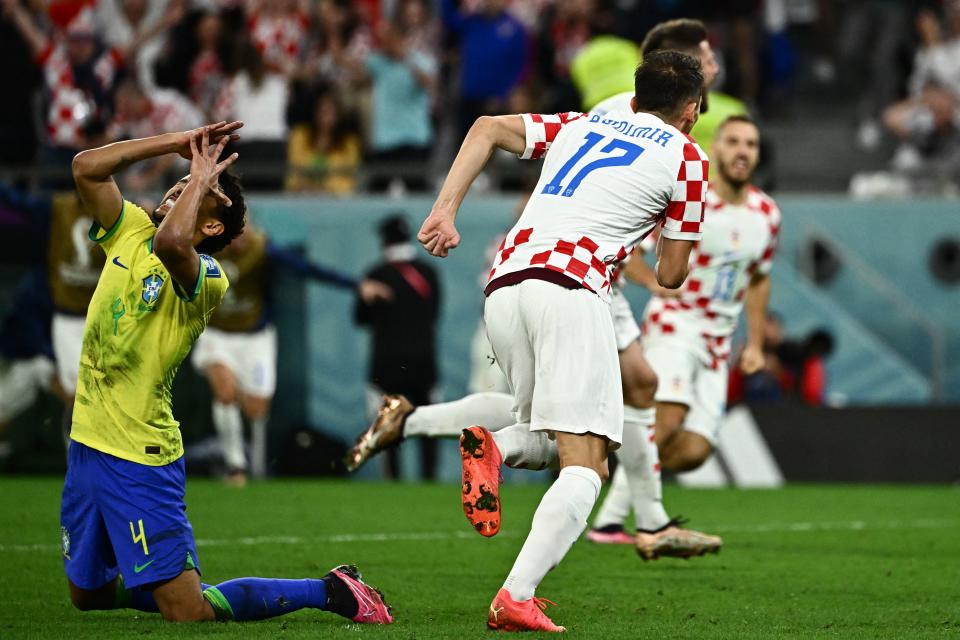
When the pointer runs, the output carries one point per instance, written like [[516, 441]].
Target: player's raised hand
[[205, 163], [751, 360], [215, 132], [438, 234]]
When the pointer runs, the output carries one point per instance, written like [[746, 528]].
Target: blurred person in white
[[257, 96], [927, 122], [144, 22], [140, 113]]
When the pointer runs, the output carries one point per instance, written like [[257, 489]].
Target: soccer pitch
[[806, 561]]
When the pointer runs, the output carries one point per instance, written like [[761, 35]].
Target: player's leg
[[145, 516], [257, 377], [216, 358], [671, 414], [559, 520], [257, 410], [637, 483], [585, 420], [690, 446], [399, 419]]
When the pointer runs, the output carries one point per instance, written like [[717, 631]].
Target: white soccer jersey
[[738, 242], [606, 182]]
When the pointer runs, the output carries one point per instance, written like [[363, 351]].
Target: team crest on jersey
[[151, 288], [65, 542]]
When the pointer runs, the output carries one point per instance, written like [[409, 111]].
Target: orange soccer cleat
[[509, 615], [481, 461]]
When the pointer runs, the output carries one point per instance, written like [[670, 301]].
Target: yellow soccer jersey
[[140, 326]]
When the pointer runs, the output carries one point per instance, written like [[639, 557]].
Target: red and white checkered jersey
[[169, 111], [71, 107], [607, 181], [738, 242], [279, 38]]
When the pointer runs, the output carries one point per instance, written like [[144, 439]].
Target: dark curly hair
[[233, 217]]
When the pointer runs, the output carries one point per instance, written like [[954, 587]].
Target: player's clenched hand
[[662, 292], [438, 235], [216, 132], [204, 165], [751, 360]]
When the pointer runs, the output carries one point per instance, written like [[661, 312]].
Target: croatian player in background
[[126, 539], [687, 332], [605, 184], [238, 351], [657, 534]]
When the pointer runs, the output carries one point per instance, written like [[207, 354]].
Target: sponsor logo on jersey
[[116, 261]]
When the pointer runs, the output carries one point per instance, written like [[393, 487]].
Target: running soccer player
[[607, 181], [126, 540], [687, 333], [238, 351], [657, 534]]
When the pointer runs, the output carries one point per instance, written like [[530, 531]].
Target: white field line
[[348, 538]]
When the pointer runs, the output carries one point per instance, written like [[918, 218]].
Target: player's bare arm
[[93, 170], [637, 271], [672, 261], [176, 237], [438, 233], [755, 305]]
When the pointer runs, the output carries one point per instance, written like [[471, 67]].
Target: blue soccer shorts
[[123, 517]]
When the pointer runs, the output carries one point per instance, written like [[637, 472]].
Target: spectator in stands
[[344, 41], [400, 137], [493, 57], [144, 22], [79, 74], [323, 154], [928, 120], [199, 56], [403, 357], [279, 30], [257, 96], [140, 114], [564, 29], [414, 21]]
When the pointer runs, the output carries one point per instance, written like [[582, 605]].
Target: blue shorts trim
[[118, 516]]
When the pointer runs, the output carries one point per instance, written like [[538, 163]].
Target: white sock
[[616, 505], [557, 523], [640, 460], [447, 419], [258, 447], [525, 449], [229, 425]]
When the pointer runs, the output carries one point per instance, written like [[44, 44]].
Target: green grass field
[[807, 561]]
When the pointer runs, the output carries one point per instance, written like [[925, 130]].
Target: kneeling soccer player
[[126, 538]]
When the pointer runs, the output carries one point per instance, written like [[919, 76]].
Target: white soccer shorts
[[556, 347], [625, 326], [685, 378], [21, 382], [67, 336], [251, 357]]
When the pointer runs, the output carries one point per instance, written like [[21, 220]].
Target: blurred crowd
[[347, 95]]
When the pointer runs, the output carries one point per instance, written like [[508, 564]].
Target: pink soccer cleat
[[371, 607], [508, 615], [615, 536]]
